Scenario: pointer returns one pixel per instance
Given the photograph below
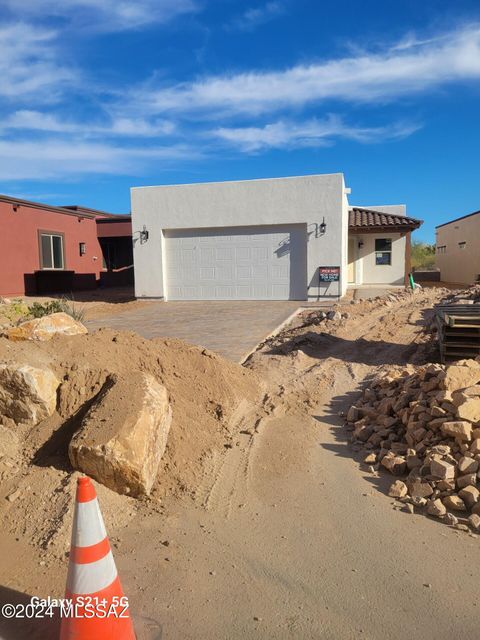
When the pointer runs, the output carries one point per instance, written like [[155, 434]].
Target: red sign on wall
[[329, 274]]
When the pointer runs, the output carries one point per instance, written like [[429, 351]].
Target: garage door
[[236, 263]]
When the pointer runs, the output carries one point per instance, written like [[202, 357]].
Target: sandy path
[[293, 540]]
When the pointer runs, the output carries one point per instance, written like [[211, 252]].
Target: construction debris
[[457, 321], [424, 423]]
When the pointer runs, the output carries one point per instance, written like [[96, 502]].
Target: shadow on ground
[[361, 351], [334, 416], [112, 295], [21, 627], [322, 345]]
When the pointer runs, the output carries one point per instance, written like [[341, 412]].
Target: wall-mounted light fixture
[[15, 208], [323, 226], [360, 244], [144, 234]]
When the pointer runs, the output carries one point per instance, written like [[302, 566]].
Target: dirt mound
[[206, 394]]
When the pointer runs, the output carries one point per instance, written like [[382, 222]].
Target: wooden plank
[[474, 305], [456, 343]]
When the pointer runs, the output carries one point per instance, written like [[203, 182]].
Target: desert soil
[[283, 535]]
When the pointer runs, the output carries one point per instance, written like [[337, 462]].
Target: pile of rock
[[471, 294], [424, 423]]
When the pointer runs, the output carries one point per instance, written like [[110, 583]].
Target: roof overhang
[[361, 220]]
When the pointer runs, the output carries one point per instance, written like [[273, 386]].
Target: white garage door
[[237, 263]]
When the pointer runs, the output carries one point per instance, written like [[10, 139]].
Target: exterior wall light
[[144, 234], [360, 244], [323, 226]]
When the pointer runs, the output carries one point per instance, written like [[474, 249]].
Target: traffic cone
[[99, 609]]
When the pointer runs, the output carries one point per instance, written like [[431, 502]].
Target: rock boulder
[[27, 394], [458, 376], [124, 434], [46, 327]]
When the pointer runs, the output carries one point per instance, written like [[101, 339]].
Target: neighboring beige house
[[457, 249], [379, 245]]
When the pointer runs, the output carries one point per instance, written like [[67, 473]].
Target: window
[[442, 248], [383, 251], [462, 245], [51, 251]]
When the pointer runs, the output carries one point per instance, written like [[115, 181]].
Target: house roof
[[368, 220], [70, 210], [469, 215], [46, 207]]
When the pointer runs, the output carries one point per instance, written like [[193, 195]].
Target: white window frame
[[51, 235]]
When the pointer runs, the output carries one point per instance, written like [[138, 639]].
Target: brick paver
[[230, 328]]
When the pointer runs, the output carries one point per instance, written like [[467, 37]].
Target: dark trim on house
[[115, 219], [46, 207], [382, 229], [93, 212], [469, 215]]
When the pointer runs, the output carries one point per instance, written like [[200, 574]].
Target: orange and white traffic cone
[[97, 607]]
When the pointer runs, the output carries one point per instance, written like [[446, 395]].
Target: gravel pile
[[423, 425]]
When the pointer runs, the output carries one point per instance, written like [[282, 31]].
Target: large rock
[[474, 522], [454, 502], [436, 508], [442, 469], [470, 495], [458, 397], [27, 394], [46, 327], [458, 429], [469, 409], [467, 465], [418, 488], [124, 434], [398, 489], [461, 376]]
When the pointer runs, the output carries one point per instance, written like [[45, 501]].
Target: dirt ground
[[284, 536]]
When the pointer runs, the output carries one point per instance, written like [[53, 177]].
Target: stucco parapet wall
[[239, 203], [307, 200]]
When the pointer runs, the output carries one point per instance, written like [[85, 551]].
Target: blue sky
[[97, 96]]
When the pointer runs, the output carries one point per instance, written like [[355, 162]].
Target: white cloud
[[257, 16], [70, 159], [364, 78], [104, 15], [311, 133], [29, 65], [26, 120]]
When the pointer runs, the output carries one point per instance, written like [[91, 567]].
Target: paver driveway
[[232, 329]]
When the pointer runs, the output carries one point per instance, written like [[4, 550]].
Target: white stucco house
[[272, 239]]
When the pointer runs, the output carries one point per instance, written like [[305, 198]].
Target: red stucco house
[[45, 248]]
